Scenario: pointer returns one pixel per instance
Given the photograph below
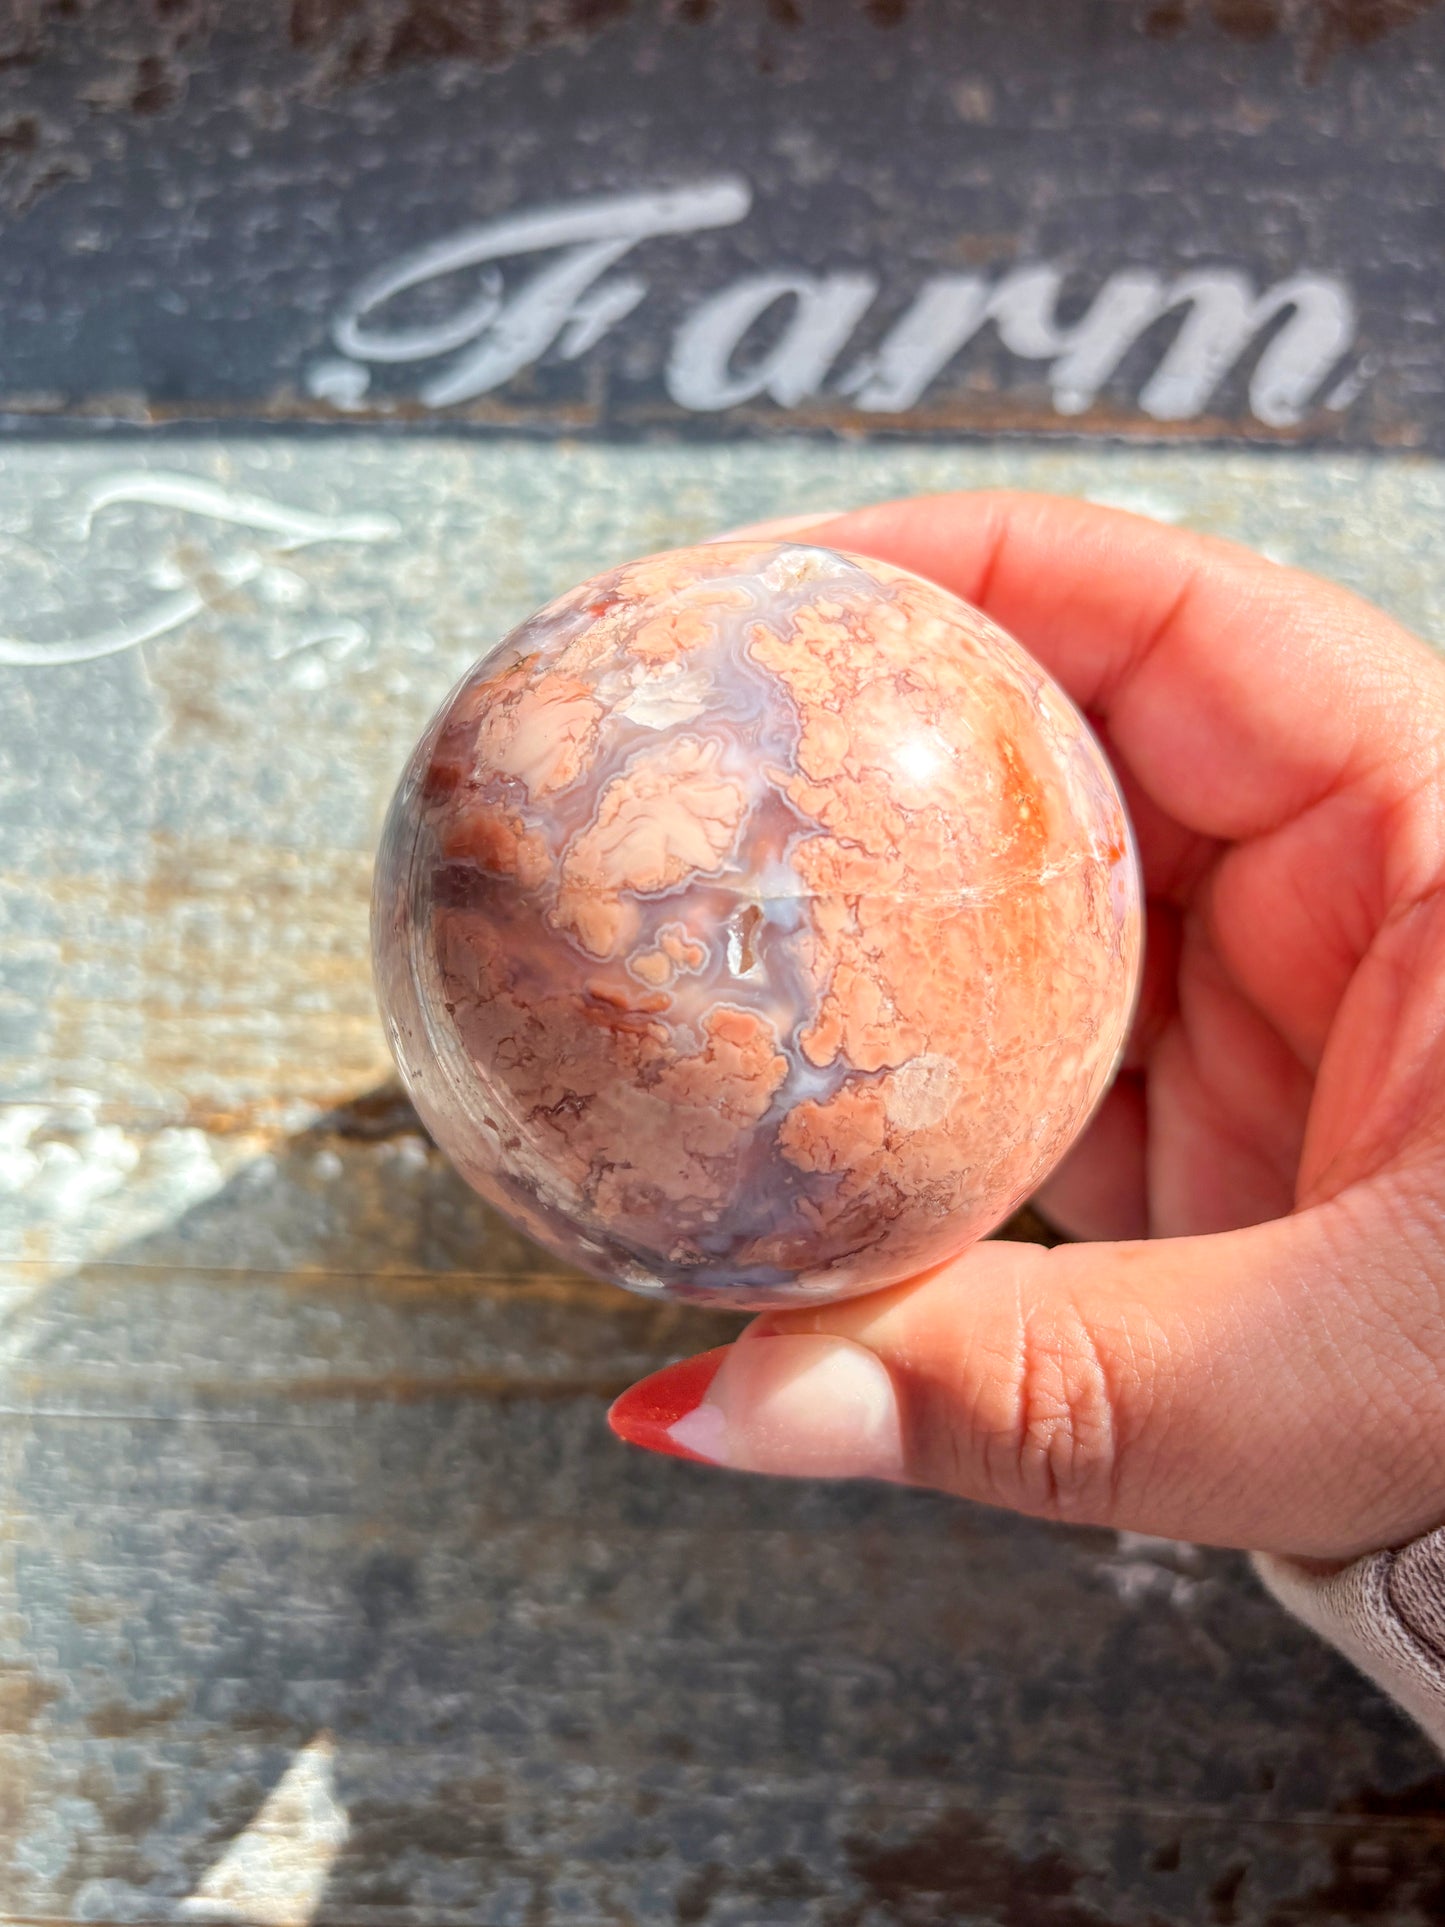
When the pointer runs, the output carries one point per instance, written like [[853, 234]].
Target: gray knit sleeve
[[1385, 1612]]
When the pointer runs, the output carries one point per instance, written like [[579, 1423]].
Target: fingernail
[[796, 1405], [779, 525], [647, 1412]]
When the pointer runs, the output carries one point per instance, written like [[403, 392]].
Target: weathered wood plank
[[273, 212], [297, 1441]]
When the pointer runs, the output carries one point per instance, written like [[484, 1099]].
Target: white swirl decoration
[[293, 528]]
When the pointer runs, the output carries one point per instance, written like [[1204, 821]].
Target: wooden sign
[[1156, 222], [325, 1595]]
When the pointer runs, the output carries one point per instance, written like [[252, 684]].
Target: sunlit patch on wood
[[274, 1872]]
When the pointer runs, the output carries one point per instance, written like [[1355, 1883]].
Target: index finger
[[1239, 692]]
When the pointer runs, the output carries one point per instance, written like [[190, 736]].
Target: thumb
[[1257, 1388]]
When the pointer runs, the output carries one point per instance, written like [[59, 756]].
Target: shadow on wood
[[315, 1482]]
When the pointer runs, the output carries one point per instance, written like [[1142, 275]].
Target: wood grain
[[303, 1455]]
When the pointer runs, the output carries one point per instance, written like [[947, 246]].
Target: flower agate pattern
[[757, 923]]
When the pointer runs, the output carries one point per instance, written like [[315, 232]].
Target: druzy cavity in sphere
[[757, 923]]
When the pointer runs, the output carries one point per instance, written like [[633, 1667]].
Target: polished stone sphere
[[757, 924]]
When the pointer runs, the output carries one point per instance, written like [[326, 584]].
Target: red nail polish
[[645, 1412]]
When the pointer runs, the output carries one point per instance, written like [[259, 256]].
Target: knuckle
[[1077, 1400]]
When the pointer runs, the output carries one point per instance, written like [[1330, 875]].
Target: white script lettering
[[825, 311], [560, 300], [1305, 322]]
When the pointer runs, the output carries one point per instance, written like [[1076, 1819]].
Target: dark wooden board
[[205, 200]]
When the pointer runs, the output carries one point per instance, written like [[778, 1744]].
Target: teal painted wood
[[314, 1539]]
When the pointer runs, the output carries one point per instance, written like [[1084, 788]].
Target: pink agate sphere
[[756, 924]]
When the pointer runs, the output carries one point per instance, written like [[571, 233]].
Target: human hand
[[1250, 1350]]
